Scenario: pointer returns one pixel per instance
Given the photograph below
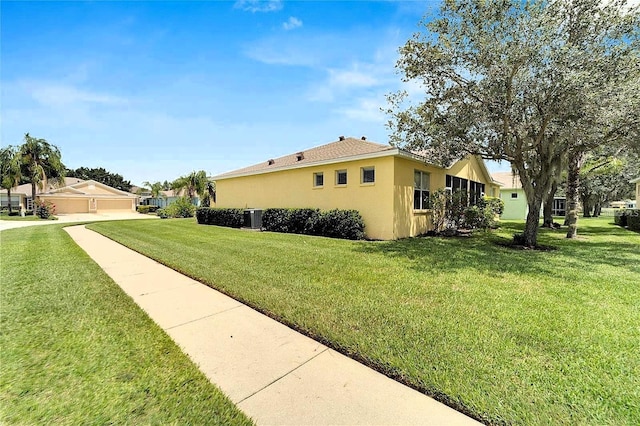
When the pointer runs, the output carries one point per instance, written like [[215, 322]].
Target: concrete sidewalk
[[272, 373]]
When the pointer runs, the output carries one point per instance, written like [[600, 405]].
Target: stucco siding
[[514, 208], [295, 188]]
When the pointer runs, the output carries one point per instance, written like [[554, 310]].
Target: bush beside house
[[232, 218], [629, 218]]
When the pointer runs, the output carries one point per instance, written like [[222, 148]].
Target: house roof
[[87, 188], [26, 188], [347, 148], [508, 180]]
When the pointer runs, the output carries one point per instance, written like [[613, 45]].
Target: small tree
[[41, 161], [10, 173]]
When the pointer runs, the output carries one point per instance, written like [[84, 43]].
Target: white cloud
[[292, 23], [259, 5], [56, 94], [365, 109]]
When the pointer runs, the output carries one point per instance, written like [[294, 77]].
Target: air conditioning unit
[[253, 218]]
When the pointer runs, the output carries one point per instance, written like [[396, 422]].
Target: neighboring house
[[90, 197], [169, 198], [21, 195], [637, 182], [390, 187], [624, 204], [515, 200]]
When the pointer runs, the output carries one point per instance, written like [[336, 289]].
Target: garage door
[[114, 205], [70, 205]]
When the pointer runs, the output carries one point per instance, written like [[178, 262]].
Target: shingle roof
[[348, 147], [26, 188], [507, 179]]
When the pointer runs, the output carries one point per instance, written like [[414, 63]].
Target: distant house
[[515, 200], [165, 199], [21, 194], [637, 182], [390, 187], [77, 196]]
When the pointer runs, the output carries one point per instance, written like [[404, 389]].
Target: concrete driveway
[[74, 218]]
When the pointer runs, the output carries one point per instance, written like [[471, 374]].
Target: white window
[[420, 190], [514, 195], [368, 175], [341, 177], [318, 179]]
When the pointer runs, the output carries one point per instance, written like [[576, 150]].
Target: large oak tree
[[516, 81]]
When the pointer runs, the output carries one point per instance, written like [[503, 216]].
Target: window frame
[[317, 175], [362, 175], [346, 177], [418, 203]]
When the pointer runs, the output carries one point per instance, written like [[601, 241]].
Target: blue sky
[[154, 90]]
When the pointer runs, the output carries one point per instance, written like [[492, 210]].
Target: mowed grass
[[76, 350], [508, 336]]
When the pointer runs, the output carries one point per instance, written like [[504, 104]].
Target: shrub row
[[233, 218], [347, 224], [147, 209], [629, 218]]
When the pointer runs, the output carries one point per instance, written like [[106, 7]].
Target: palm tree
[[210, 196], [41, 161], [156, 190], [10, 172], [194, 183]]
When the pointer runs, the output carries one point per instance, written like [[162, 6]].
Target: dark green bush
[[233, 218], [620, 217], [147, 209], [346, 224], [182, 207], [162, 213], [633, 219]]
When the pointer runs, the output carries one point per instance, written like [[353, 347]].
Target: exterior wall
[[70, 205], [295, 188], [514, 208], [408, 222], [637, 193]]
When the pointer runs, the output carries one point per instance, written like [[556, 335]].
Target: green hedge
[[629, 218], [233, 218], [147, 209], [347, 224], [633, 219]]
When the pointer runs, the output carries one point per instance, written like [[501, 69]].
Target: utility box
[[253, 218]]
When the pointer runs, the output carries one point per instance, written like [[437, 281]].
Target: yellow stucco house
[[90, 196], [388, 186]]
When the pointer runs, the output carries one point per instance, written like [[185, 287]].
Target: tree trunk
[[9, 200], [573, 180], [597, 209], [33, 196], [532, 224], [547, 211], [586, 207]]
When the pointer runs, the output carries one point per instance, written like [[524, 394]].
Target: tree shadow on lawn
[[483, 252]]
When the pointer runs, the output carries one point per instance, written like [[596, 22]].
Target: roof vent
[[300, 156], [364, 138], [271, 162], [341, 138]]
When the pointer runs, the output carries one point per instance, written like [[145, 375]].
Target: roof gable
[[90, 187]]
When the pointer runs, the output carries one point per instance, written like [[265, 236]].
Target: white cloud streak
[[254, 6], [292, 23]]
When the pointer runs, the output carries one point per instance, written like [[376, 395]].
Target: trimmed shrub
[[162, 213], [347, 224], [620, 217], [182, 207], [633, 219], [147, 209], [233, 218]]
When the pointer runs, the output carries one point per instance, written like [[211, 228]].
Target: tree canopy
[[526, 82], [10, 173], [101, 175], [41, 162]]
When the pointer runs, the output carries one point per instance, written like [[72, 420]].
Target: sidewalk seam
[[281, 377], [201, 318]]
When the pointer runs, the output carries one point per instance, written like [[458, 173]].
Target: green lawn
[[515, 336], [77, 350], [4, 215]]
